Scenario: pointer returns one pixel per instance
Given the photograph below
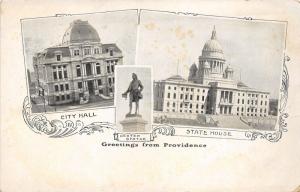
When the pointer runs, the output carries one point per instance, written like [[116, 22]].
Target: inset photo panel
[[133, 98], [213, 71], [70, 61]]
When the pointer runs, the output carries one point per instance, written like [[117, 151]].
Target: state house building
[[80, 67], [210, 89]]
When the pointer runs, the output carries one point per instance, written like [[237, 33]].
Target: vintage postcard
[[131, 96]]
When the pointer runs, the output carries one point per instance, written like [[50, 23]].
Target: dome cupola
[[212, 48], [80, 32]]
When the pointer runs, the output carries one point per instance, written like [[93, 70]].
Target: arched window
[[78, 70]]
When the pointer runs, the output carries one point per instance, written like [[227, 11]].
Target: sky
[[118, 27], [122, 81], [171, 43]]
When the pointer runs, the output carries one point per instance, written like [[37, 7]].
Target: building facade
[[210, 89], [80, 67]]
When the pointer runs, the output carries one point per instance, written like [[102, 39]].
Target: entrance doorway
[[90, 87]]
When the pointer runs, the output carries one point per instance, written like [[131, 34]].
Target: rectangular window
[[191, 97], [58, 57], [54, 75], [98, 69], [67, 87], [61, 87], [63, 97], [99, 82], [109, 81], [79, 85], [111, 53], [108, 69], [168, 95], [68, 97], [59, 74], [87, 51], [181, 96], [76, 52], [56, 87], [65, 74], [174, 96], [57, 98], [202, 98], [96, 51]]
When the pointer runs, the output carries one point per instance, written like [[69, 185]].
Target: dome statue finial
[[213, 34]]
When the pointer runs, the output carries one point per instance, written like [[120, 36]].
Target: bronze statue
[[135, 93]]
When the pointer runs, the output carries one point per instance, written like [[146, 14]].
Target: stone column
[[83, 70]]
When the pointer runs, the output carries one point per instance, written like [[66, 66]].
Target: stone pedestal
[[133, 123]]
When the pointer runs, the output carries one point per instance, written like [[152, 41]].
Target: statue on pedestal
[[135, 94]]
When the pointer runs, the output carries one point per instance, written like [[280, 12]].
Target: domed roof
[[241, 84], [193, 67], [212, 48], [176, 78], [79, 32]]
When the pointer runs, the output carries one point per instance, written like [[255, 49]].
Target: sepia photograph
[[70, 60], [133, 98], [213, 71]]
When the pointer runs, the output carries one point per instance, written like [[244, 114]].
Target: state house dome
[[212, 48], [79, 32]]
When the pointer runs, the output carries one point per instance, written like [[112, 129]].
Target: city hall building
[[210, 89], [80, 67]]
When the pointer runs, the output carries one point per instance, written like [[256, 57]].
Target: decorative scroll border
[[58, 129], [283, 115]]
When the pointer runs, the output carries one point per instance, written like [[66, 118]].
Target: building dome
[[212, 48], [193, 67], [176, 78], [79, 32]]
